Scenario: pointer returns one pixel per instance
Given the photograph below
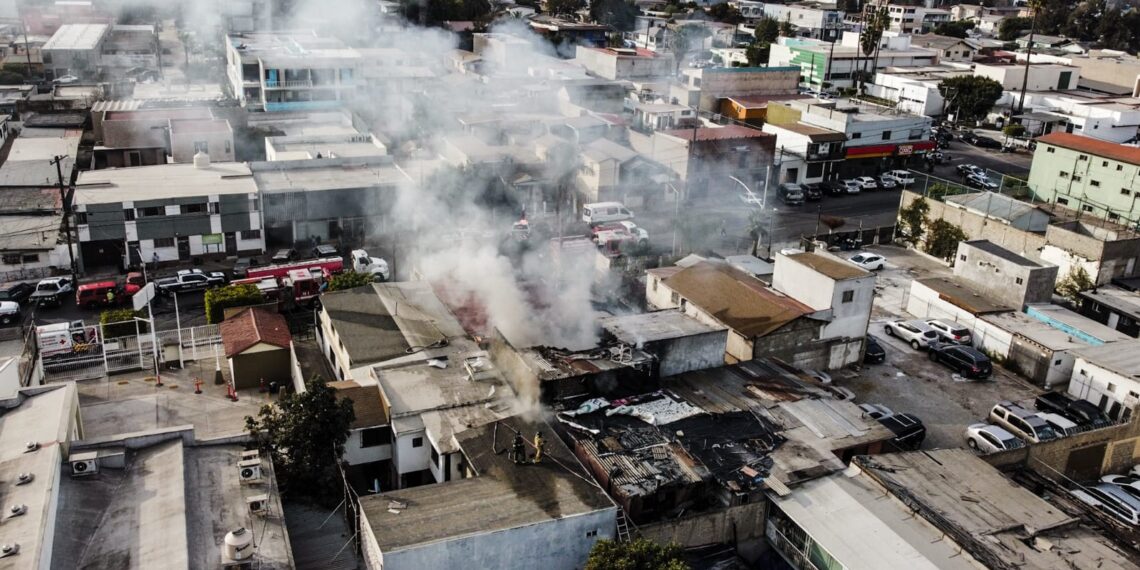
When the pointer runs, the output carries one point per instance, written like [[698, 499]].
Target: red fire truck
[[299, 287], [326, 265]]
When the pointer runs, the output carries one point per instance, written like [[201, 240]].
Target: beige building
[[625, 63]]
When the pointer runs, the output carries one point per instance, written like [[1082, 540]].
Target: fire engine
[[299, 287], [327, 265]]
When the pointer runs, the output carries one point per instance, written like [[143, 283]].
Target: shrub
[[913, 219], [219, 299], [121, 322], [349, 280], [944, 239]]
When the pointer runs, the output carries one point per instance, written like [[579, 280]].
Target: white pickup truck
[[608, 235], [375, 266]]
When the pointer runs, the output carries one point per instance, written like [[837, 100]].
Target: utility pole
[[66, 201], [830, 58], [1028, 58], [27, 50]]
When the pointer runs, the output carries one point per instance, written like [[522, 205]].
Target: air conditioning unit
[[249, 470], [258, 504], [83, 464]]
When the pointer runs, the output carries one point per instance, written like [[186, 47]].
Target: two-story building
[[1107, 375], [625, 63], [826, 65], [270, 71], [911, 19], [74, 49], [1004, 275], [172, 211], [877, 137], [1086, 174], [807, 154], [713, 161]]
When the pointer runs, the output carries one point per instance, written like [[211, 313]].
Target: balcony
[[278, 106]]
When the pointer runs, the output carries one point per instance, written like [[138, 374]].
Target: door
[[183, 248], [1063, 81], [792, 175], [1084, 464], [134, 158], [231, 243]]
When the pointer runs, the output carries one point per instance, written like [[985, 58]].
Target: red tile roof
[[253, 326], [718, 134], [1129, 154]]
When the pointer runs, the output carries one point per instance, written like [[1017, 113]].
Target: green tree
[[219, 299], [944, 239], [121, 322], [304, 434], [912, 218], [620, 15], [725, 12], [766, 32], [564, 7], [683, 39], [871, 35], [971, 96], [955, 29], [349, 280], [1073, 283], [639, 554], [1010, 28], [787, 30], [1085, 19], [1013, 130]]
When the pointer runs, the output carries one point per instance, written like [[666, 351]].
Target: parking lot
[[909, 381]]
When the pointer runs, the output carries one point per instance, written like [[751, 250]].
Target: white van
[[1062, 425], [605, 212]]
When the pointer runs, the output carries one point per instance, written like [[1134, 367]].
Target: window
[[1125, 191], [214, 207], [1087, 208], [676, 298], [1019, 280], [152, 212], [1064, 174], [11, 258], [251, 234], [591, 533], [962, 257], [164, 242], [886, 135], [129, 214], [1083, 157], [1119, 167], [848, 296], [31, 257], [1076, 178], [193, 208], [81, 217], [418, 442], [372, 437], [1094, 183], [1111, 387], [1057, 362], [1050, 149], [653, 283], [1113, 216], [1104, 163], [1063, 201], [228, 147], [434, 456], [201, 146], [856, 136], [253, 204]]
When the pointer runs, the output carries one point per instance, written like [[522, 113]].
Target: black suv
[[908, 429], [16, 292], [324, 250], [966, 360], [874, 353], [813, 191]]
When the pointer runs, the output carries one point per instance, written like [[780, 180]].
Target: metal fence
[[134, 352]]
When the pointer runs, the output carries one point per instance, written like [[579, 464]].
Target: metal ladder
[[622, 526]]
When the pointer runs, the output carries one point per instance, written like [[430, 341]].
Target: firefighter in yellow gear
[[539, 442]]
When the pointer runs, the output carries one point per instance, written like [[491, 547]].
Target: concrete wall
[[978, 227], [693, 352], [613, 66], [1002, 279], [354, 454], [820, 292], [925, 303], [1076, 456], [557, 544], [220, 145], [410, 459], [1103, 387], [1105, 254], [742, 525]]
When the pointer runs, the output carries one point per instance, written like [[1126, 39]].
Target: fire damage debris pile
[[660, 456]]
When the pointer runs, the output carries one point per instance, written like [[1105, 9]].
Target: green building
[[1086, 174]]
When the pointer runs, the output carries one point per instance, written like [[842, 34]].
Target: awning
[[878, 151]]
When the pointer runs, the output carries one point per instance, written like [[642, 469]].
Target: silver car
[[916, 333]]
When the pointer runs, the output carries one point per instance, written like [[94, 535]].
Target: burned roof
[[501, 496], [657, 325], [738, 300], [830, 266], [960, 295]]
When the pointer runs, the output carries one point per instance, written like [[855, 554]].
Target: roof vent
[[25, 478], [17, 510], [31, 446], [9, 550]]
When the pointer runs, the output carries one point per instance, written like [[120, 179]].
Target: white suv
[[901, 177], [866, 183], [916, 333]]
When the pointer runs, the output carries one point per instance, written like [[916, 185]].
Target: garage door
[[1084, 464]]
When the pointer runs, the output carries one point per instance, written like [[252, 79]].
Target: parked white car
[[951, 332], [1110, 500], [852, 186], [866, 182], [869, 261], [901, 177], [1135, 471], [1130, 485], [987, 438], [916, 333]]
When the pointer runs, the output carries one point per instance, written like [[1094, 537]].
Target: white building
[[1095, 115], [271, 71], [912, 19], [625, 63], [1042, 76], [822, 62], [812, 21], [827, 283], [915, 89], [174, 211], [872, 131], [1108, 377], [75, 49]]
